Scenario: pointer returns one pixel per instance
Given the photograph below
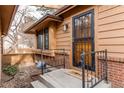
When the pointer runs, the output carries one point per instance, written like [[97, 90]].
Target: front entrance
[[83, 38]]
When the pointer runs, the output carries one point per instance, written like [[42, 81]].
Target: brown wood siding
[[110, 29], [63, 39]]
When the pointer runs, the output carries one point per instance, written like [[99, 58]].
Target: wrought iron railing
[[91, 74], [54, 59], [94, 74]]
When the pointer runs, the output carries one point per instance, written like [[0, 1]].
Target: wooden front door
[[83, 38]]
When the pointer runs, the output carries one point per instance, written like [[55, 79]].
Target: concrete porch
[[65, 78]]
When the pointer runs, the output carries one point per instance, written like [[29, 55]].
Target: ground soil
[[22, 79]]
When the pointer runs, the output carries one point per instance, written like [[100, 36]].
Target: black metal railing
[[53, 59], [93, 74]]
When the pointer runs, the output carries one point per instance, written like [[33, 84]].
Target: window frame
[[43, 43], [38, 46], [46, 41]]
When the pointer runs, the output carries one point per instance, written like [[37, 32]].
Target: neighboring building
[[7, 13], [85, 27]]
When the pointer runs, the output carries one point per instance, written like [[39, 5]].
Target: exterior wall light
[[65, 27]]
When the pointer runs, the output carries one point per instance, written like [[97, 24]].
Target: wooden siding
[[110, 29], [64, 39], [52, 36]]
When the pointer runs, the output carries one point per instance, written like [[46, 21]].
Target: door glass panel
[[82, 38], [46, 39]]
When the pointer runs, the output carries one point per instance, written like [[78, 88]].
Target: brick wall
[[116, 72]]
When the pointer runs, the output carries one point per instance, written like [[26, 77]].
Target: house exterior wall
[[109, 28], [109, 34], [116, 74], [23, 60], [110, 31], [52, 36], [64, 39]]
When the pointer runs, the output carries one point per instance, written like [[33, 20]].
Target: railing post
[[106, 66], [64, 57], [83, 68], [42, 70]]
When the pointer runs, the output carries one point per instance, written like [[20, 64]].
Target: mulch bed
[[22, 79]]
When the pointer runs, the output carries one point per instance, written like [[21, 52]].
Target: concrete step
[[49, 81], [45, 82], [38, 84], [59, 79]]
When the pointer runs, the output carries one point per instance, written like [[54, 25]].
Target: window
[[46, 39], [43, 39], [40, 40]]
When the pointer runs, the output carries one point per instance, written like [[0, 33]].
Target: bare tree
[[15, 31], [45, 10], [22, 17]]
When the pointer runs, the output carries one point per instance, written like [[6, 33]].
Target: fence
[[93, 74]]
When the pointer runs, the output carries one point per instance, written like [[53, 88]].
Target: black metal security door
[[83, 38]]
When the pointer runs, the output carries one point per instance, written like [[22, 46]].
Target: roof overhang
[[64, 9], [7, 13], [42, 23]]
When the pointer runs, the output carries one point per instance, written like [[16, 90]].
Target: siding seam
[[110, 15], [100, 31], [116, 52], [111, 37], [62, 37], [111, 22], [62, 32], [109, 9], [111, 44]]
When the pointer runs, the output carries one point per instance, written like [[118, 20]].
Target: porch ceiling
[[42, 23], [7, 13]]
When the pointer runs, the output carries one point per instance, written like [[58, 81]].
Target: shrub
[[10, 70]]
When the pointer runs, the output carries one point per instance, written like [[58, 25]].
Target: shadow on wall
[[22, 60]]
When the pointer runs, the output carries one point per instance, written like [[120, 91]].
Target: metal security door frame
[[92, 34]]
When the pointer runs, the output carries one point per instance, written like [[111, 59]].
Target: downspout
[[0, 51]]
